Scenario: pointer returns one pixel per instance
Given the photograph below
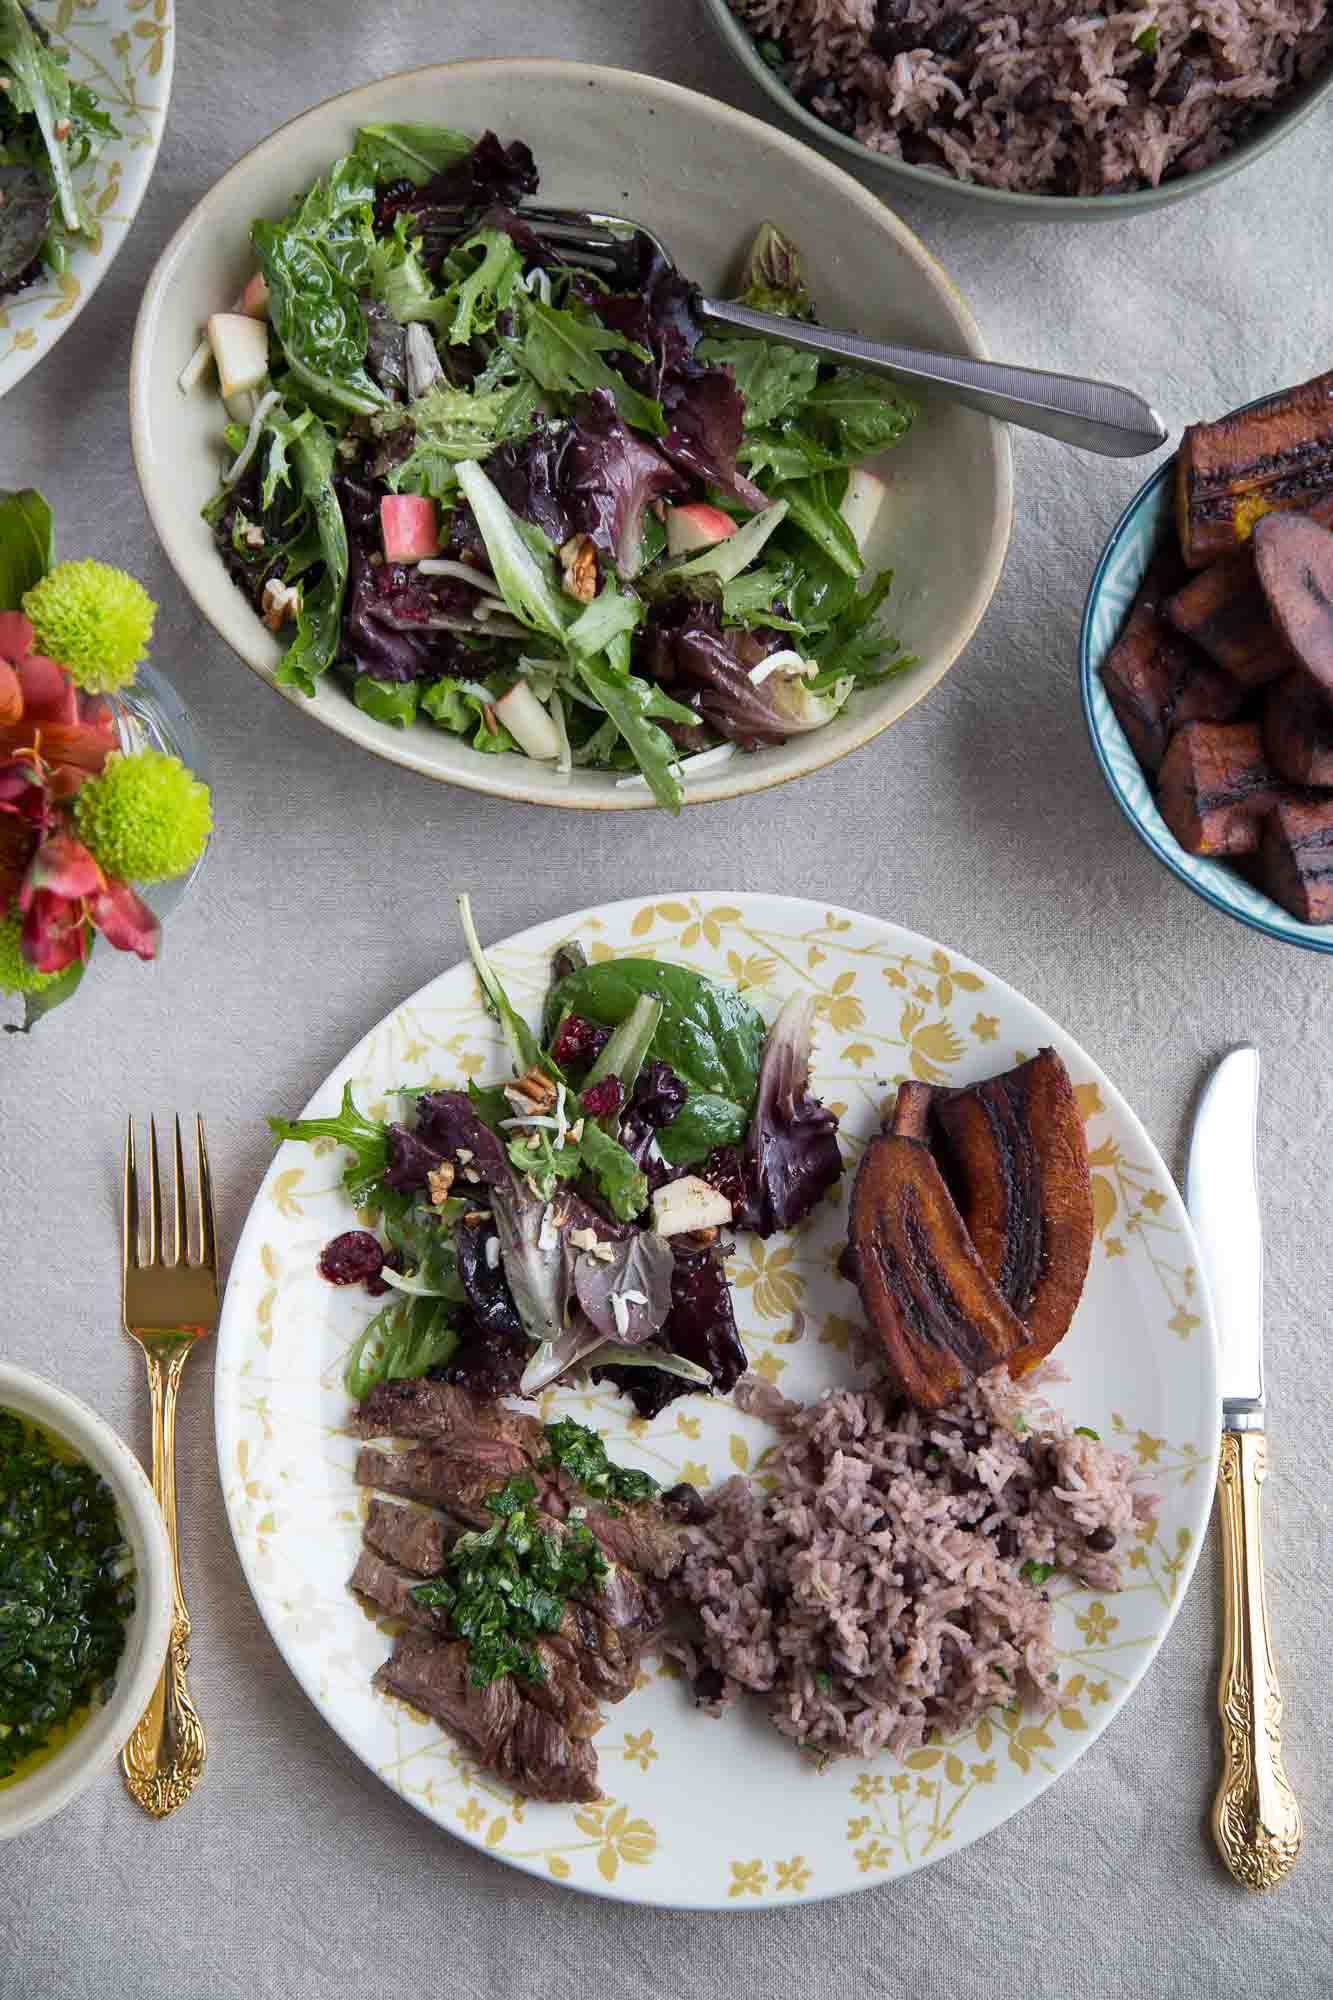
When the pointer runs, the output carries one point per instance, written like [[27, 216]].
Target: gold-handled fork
[[168, 1304]]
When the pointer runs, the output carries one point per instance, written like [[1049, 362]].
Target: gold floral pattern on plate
[[122, 49], [723, 1814]]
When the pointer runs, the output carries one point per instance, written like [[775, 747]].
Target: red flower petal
[[61, 866], [11, 693], [125, 920], [54, 932], [48, 693], [16, 636]]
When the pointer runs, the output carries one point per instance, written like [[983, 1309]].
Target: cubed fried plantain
[[1154, 678], [1298, 731], [1297, 858], [1215, 786], [1273, 457]]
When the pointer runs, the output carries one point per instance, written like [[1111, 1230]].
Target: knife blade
[[1256, 1819], [1222, 1195]]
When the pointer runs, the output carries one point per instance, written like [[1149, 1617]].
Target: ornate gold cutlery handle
[[1256, 1820], [164, 1758]]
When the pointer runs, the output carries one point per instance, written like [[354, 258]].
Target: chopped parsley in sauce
[[581, 1453], [65, 1593]]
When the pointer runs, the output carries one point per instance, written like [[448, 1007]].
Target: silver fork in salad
[[1094, 416]]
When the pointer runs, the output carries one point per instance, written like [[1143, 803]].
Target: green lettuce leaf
[[319, 624], [451, 425], [402, 1341], [410, 152], [564, 353], [365, 1140], [774, 380], [482, 289]]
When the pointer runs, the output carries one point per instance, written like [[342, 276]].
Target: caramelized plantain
[[938, 1316], [1297, 859], [1298, 731], [1271, 458], [912, 1111], [1224, 610], [1293, 558], [1017, 1161], [1155, 679], [1214, 787]]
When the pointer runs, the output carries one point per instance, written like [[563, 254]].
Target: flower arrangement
[[81, 822]]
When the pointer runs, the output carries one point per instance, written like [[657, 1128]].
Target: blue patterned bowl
[[1116, 579]]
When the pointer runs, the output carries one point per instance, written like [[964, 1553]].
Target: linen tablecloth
[[979, 820]]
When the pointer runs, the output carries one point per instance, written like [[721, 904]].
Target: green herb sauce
[[65, 1594], [581, 1453]]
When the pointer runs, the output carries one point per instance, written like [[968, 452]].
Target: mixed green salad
[[573, 1214], [552, 517], [49, 127]]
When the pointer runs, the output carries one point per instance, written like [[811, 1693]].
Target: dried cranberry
[[603, 1098], [354, 1258], [659, 1094], [579, 1043]]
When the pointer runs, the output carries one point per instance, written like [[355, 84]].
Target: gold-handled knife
[[1256, 1820]]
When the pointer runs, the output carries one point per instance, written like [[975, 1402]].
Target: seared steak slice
[[389, 1590], [543, 1761], [427, 1409], [459, 1477], [638, 1537], [521, 1743], [434, 1676], [563, 1693], [413, 1540], [607, 1662]]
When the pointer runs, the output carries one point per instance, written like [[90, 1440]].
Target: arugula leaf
[[774, 379], [813, 507], [410, 152], [38, 85], [857, 645], [752, 598], [451, 425], [710, 1035], [524, 1049], [623, 1186], [865, 413], [564, 353], [611, 613], [630, 703], [319, 623], [402, 1341], [27, 544], [367, 1142], [387, 701], [479, 294]]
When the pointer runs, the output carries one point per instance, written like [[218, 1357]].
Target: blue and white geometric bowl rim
[[1115, 581]]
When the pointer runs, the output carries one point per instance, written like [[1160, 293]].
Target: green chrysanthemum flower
[[16, 975], [145, 818], [95, 620]]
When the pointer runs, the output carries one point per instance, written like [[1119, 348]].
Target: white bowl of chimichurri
[[85, 1596]]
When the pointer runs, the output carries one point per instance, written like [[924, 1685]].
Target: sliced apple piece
[[254, 299], [937, 1314], [240, 348], [529, 723], [861, 504], [409, 527], [696, 526]]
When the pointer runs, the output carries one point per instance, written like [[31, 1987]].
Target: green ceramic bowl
[[998, 201]]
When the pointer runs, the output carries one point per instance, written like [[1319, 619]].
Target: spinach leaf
[[410, 152], [313, 263], [27, 544], [366, 1141], [708, 1033], [401, 1342], [774, 380], [704, 1122], [319, 624], [563, 353]]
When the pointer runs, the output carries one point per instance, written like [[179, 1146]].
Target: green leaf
[[709, 1034], [1149, 40], [39, 86], [527, 582], [450, 425], [319, 623], [623, 1186], [27, 544], [400, 1343], [856, 645], [455, 708], [627, 1051], [813, 509], [35, 1005], [410, 152], [523, 1046], [475, 301], [771, 280], [387, 701], [774, 380], [367, 1141], [725, 560], [610, 613], [423, 1234], [703, 1123], [630, 703], [564, 354], [864, 413], [313, 264]]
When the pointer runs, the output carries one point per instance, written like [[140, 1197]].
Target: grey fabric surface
[[979, 820]]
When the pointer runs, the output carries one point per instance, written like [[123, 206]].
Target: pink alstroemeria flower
[[64, 893], [40, 707]]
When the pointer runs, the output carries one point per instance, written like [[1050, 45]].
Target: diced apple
[[696, 526], [240, 348], [689, 1203], [528, 723], [407, 523], [861, 503], [254, 299]]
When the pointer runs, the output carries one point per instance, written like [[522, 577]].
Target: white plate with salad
[[83, 105], [537, 535], [711, 997]]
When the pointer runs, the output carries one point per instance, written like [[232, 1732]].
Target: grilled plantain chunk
[[1155, 679], [1230, 474], [912, 1111], [1017, 1162], [1224, 611], [1214, 787], [1297, 858], [1298, 731], [1293, 557], [939, 1318]]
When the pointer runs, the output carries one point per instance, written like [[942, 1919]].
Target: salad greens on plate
[[493, 495], [571, 1215], [49, 127]]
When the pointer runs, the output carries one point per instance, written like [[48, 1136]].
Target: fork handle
[[164, 1758], [1256, 1820], [1094, 416]]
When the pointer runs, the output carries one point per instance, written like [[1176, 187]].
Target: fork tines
[[205, 1241]]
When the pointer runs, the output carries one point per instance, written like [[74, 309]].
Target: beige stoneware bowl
[[703, 177], [92, 1750]]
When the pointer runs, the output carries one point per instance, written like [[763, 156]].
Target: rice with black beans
[[1044, 98], [871, 1589]]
